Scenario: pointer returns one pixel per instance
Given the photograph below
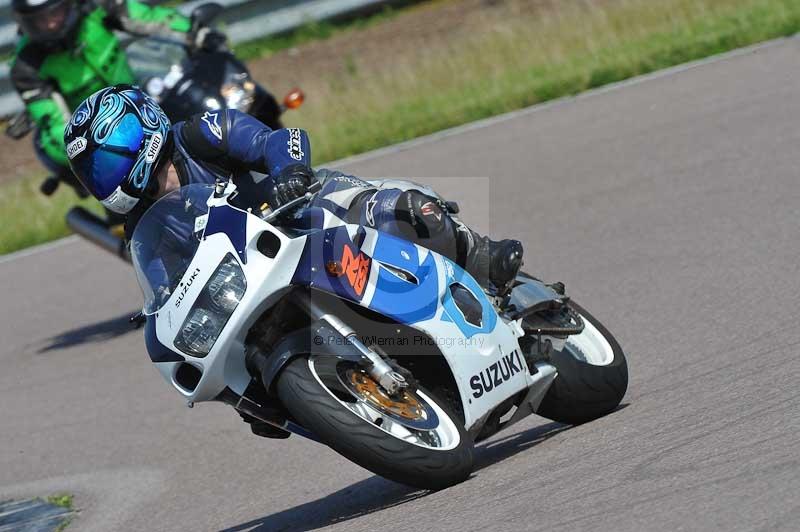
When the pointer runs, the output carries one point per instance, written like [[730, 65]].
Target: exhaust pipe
[[96, 231]]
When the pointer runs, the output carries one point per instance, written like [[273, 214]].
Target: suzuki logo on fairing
[[496, 374], [186, 286]]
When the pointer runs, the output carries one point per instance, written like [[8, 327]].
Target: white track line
[[487, 122]]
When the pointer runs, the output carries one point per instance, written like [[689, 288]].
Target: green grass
[[63, 500], [515, 60], [522, 61], [29, 218]]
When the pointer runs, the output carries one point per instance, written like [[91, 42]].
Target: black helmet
[[117, 140], [46, 20]]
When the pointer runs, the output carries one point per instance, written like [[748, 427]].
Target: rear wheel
[[592, 375], [412, 439]]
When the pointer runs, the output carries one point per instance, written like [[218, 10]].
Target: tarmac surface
[[669, 206]]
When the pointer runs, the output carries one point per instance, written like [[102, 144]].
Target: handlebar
[[313, 190]]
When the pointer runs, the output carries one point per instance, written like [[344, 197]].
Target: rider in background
[[68, 50]]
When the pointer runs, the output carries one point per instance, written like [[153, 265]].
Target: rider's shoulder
[[204, 134]]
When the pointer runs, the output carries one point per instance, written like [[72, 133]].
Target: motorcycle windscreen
[[157, 60], [166, 240]]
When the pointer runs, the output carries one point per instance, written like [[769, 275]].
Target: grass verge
[[518, 58], [63, 500], [29, 218], [564, 49]]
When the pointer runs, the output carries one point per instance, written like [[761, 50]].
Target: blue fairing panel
[[395, 297], [231, 222], [455, 274], [321, 248], [404, 301], [158, 352], [331, 261]]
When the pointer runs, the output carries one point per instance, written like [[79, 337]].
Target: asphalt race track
[[671, 209]]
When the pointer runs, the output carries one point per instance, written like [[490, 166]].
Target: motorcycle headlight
[[209, 314], [238, 94], [227, 287]]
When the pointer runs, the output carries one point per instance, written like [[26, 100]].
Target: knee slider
[[423, 213]]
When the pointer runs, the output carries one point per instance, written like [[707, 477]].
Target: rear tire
[[582, 391], [364, 443]]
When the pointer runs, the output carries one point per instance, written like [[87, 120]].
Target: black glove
[[208, 39], [292, 183]]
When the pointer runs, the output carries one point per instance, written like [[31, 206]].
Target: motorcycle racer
[[68, 51], [124, 150]]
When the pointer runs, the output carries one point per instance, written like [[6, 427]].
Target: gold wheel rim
[[406, 405]]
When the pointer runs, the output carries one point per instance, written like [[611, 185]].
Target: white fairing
[[488, 366], [267, 279]]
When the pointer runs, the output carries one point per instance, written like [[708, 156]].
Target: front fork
[[377, 368]]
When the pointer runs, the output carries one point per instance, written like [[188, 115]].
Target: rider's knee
[[424, 214]]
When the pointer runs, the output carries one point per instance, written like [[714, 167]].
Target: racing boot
[[494, 264]]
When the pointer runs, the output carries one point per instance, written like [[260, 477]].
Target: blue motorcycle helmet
[[117, 141]]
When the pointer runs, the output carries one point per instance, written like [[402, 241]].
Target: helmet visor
[[48, 23], [105, 167]]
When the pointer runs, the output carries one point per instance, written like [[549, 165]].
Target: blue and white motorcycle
[[385, 351]]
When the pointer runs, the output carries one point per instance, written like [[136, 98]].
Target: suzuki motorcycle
[[385, 351]]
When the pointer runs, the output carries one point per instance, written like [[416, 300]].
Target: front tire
[[323, 409], [588, 386]]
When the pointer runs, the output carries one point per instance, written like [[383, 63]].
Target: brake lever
[[283, 209]]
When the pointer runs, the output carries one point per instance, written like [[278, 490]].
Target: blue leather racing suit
[[230, 144]]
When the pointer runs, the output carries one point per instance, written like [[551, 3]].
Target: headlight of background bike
[[213, 308], [239, 92]]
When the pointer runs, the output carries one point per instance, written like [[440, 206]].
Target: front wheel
[[592, 375], [412, 439]]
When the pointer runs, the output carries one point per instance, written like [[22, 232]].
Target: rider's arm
[[233, 139], [44, 105], [138, 18]]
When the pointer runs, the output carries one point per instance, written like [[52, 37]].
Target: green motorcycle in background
[[68, 50], [181, 62]]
